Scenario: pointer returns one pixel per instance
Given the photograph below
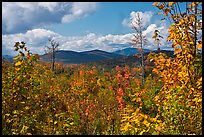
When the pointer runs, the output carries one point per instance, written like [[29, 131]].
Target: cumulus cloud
[[146, 18], [37, 39], [19, 17], [149, 32], [93, 41], [149, 28], [78, 10], [51, 6]]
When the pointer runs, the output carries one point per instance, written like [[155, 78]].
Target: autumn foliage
[[85, 100]]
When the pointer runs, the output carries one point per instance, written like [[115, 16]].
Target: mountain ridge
[[129, 51], [73, 57]]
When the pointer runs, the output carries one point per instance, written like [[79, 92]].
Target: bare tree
[[139, 39], [51, 50]]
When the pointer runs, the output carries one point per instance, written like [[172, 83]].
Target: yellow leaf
[[177, 50], [50, 120], [24, 128], [156, 98], [182, 21], [8, 120], [138, 99], [166, 10], [126, 127], [137, 110], [55, 122], [18, 63], [142, 132], [7, 114], [98, 82], [146, 123], [191, 42], [193, 4], [15, 112], [28, 56], [159, 13], [155, 3], [65, 125], [17, 69], [161, 6], [171, 3], [199, 46], [199, 82], [154, 36], [154, 119]]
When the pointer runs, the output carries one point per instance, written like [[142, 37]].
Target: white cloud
[[149, 28], [51, 6], [78, 10], [19, 17], [93, 41], [36, 40], [146, 18]]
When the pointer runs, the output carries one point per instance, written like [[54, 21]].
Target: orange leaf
[[177, 50], [171, 3], [193, 4], [154, 36], [199, 46], [155, 3], [134, 40], [28, 56], [18, 63], [159, 13], [161, 6], [166, 10]]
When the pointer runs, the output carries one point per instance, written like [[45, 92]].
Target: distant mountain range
[[7, 57], [73, 57], [129, 51], [131, 60], [93, 56]]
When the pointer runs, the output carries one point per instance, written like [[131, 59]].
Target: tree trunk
[[195, 48], [142, 68], [53, 60], [142, 54]]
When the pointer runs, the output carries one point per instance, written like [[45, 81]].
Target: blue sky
[[77, 26], [106, 20]]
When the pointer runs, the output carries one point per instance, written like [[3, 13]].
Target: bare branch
[[51, 50]]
